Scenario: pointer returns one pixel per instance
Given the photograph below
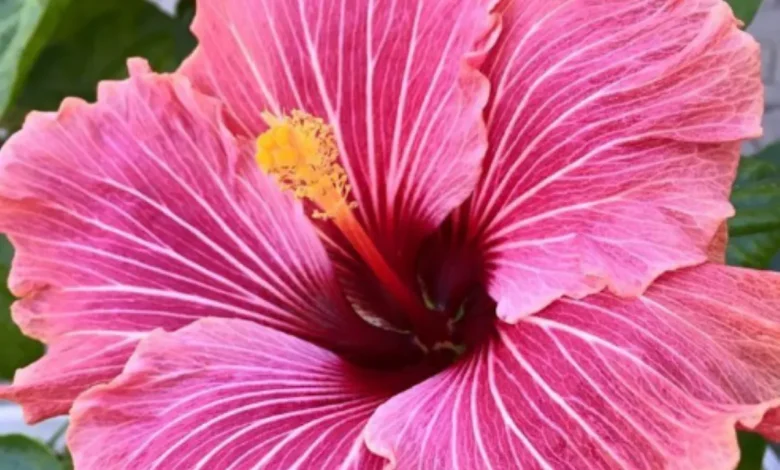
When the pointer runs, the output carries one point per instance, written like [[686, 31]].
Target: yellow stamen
[[300, 151]]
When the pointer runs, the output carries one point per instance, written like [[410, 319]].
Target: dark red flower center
[[446, 310]]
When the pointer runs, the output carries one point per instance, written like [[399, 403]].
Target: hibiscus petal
[[229, 394], [398, 81], [143, 212], [717, 249], [613, 136], [770, 425], [603, 383]]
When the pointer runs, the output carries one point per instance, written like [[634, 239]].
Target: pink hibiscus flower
[[429, 234]]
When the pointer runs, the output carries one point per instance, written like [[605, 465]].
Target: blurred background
[[51, 49]]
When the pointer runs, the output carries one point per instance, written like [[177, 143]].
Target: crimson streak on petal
[[140, 212], [603, 383], [232, 395], [613, 130]]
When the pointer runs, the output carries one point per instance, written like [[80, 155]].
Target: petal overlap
[[140, 212], [230, 394], [396, 79], [614, 133], [603, 383]]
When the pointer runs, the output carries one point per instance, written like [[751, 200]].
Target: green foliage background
[[51, 49]]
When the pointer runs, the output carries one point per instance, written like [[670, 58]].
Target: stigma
[[301, 153]]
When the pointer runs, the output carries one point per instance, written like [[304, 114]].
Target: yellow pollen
[[300, 151]]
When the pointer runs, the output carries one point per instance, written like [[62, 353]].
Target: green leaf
[[16, 350], [752, 447], [19, 452], [185, 10], [755, 231], [25, 26], [745, 9], [92, 42], [67, 460]]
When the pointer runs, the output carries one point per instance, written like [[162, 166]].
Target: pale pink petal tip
[[138, 66]]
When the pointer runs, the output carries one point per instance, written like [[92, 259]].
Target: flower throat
[[301, 153]]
